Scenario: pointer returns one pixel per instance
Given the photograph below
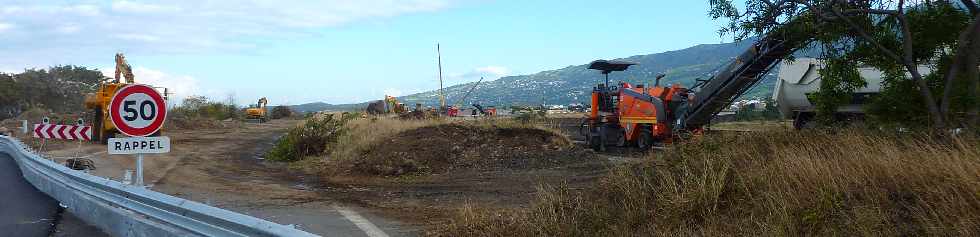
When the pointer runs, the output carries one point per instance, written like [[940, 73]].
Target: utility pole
[[442, 95]]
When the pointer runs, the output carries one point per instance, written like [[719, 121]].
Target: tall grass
[[771, 184]]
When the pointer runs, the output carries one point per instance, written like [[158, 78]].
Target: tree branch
[[960, 62], [938, 117], [867, 37]]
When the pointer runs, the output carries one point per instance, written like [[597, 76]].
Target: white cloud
[[5, 26], [135, 7], [180, 86], [68, 29], [393, 92], [494, 71], [488, 73], [179, 26], [137, 37]]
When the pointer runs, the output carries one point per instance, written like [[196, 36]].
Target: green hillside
[[574, 83]]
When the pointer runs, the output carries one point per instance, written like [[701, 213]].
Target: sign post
[[138, 111]]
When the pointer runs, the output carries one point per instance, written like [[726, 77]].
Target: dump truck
[[98, 102], [646, 116], [258, 113]]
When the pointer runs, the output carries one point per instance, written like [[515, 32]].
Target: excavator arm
[[123, 68]]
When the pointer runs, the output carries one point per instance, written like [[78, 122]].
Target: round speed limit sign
[[137, 110]]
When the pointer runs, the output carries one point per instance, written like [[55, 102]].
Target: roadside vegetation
[[778, 183], [59, 89], [311, 138], [899, 38], [201, 112]]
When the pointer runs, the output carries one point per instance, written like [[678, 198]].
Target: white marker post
[[138, 111]]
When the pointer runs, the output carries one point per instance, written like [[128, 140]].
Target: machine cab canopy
[[607, 66]]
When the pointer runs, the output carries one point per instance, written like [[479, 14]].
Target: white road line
[[362, 223]]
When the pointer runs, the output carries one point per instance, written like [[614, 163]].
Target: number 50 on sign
[[138, 110]]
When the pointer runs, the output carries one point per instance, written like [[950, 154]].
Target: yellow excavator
[[98, 101], [393, 106], [258, 112]]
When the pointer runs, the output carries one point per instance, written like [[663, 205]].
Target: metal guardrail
[[124, 210]]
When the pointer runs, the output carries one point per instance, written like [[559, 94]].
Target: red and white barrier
[[64, 132]]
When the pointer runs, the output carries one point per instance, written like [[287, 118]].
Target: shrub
[[281, 111], [309, 139], [197, 107]]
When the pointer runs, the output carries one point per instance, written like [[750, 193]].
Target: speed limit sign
[[137, 110]]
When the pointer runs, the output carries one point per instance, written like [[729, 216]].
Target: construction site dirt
[[426, 174], [224, 167]]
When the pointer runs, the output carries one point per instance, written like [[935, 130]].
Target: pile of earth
[[445, 148]]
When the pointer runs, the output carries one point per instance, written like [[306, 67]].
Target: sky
[[339, 51]]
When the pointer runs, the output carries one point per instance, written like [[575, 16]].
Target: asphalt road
[[24, 211]]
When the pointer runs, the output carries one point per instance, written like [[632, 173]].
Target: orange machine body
[[640, 108]]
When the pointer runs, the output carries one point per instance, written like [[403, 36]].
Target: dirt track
[[223, 168]]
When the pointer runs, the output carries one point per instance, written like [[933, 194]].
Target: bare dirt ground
[[426, 175], [223, 167]]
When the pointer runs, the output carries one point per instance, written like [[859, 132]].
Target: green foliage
[[839, 79], [934, 27], [60, 89], [201, 107], [310, 139], [770, 112], [281, 111]]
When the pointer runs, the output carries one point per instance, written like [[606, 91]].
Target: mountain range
[[573, 84]]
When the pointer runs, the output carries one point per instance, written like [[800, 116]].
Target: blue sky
[[339, 51]]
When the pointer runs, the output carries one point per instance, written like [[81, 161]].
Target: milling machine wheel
[[595, 142], [644, 140]]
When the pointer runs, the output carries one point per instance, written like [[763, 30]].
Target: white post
[[139, 170], [25, 128]]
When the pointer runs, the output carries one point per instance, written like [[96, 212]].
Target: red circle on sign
[[117, 120]]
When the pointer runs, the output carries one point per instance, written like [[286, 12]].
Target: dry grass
[[781, 183], [362, 133], [371, 132]]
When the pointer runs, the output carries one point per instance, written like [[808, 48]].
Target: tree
[[897, 37]]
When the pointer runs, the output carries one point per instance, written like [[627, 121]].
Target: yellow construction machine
[[393, 106], [258, 112], [98, 101]]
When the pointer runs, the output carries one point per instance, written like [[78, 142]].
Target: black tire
[[803, 120], [595, 142], [97, 125], [644, 141]]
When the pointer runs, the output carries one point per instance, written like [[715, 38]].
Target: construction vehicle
[[258, 112], [485, 111], [640, 116], [453, 110], [393, 106], [386, 106], [99, 101]]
